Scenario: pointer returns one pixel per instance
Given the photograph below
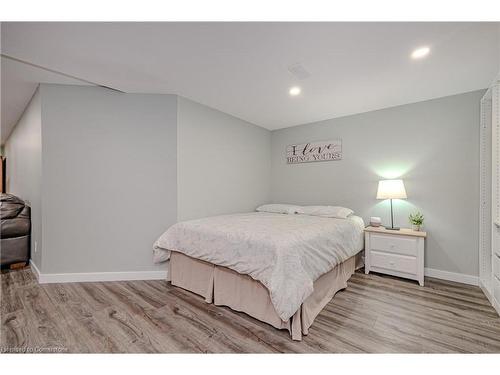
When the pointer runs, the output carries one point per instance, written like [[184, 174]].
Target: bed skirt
[[225, 287]]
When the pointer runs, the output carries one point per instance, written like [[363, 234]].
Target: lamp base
[[392, 228]]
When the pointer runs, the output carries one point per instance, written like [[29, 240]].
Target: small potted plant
[[416, 220]]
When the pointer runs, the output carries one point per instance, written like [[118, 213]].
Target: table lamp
[[391, 189]]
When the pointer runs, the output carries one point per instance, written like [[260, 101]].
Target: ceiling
[[242, 68], [19, 82]]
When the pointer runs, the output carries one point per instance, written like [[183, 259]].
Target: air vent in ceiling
[[298, 71]]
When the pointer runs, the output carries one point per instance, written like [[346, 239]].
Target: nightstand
[[395, 252]]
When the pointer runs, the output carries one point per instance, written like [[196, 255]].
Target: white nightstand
[[395, 252]]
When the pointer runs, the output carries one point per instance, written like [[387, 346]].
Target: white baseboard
[[496, 306], [486, 290], [452, 276], [47, 278], [35, 270]]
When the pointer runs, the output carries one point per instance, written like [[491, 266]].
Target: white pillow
[[279, 208], [160, 255], [327, 211]]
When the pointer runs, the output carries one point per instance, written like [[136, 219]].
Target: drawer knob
[[391, 263]]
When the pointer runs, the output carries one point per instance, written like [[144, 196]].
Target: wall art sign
[[314, 151]]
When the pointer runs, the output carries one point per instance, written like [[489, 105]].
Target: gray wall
[[432, 146], [223, 162], [23, 149], [109, 178], [497, 78], [118, 169], [115, 170]]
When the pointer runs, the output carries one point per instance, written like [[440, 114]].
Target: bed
[[279, 268]]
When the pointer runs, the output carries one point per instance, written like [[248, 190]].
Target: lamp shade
[[391, 189]]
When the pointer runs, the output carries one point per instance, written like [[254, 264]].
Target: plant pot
[[416, 228]]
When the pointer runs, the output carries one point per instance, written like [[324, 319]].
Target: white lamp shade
[[391, 189]]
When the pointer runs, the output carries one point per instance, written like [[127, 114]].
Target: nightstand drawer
[[496, 264], [394, 262], [392, 244]]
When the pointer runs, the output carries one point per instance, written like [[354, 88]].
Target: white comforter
[[286, 253]]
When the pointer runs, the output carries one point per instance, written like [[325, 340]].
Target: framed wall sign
[[314, 151]]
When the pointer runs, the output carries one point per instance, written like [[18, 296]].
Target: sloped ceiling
[[19, 83]]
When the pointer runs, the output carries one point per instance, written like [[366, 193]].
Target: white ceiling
[[242, 68], [19, 82]]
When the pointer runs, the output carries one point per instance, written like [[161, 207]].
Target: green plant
[[416, 219]]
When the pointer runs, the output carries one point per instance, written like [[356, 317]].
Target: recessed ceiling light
[[420, 52], [294, 91]]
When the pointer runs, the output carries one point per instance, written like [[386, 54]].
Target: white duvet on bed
[[286, 253]]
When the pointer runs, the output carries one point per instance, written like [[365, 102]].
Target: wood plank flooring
[[375, 314]]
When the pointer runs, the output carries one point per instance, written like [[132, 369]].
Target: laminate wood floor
[[375, 314]]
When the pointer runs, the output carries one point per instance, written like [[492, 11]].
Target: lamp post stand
[[392, 227]]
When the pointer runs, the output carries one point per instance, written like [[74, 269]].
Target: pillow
[[327, 211], [160, 255], [279, 208]]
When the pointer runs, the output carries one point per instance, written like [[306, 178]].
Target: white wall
[[23, 149], [433, 146], [223, 162], [109, 178]]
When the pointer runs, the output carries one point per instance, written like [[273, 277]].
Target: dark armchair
[[15, 230]]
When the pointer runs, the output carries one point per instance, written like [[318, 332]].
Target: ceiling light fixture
[[420, 52], [294, 91]]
